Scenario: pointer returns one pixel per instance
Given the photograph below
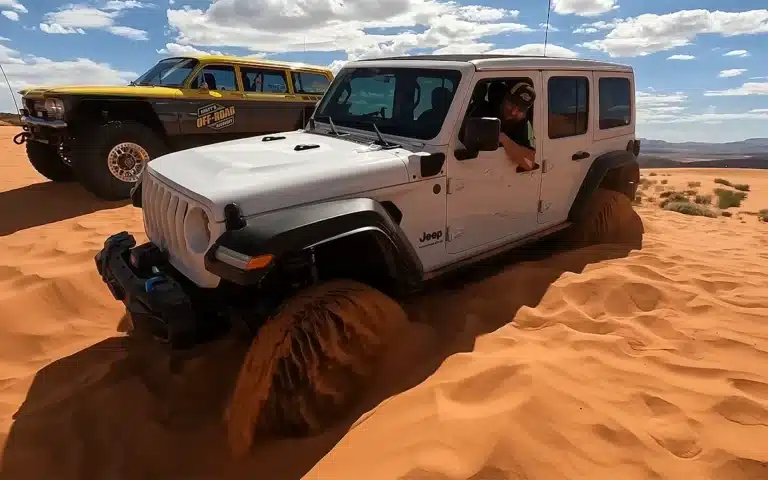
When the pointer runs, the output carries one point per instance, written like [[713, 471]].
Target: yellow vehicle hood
[[100, 90]]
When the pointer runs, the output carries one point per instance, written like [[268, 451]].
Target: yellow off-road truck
[[103, 136]]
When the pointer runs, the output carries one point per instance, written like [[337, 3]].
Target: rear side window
[[568, 106], [263, 80], [312, 83], [615, 99]]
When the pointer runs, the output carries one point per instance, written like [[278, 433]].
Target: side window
[[217, 77], [568, 106], [312, 83], [615, 97], [263, 80]]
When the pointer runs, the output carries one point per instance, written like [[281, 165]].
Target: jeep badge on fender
[[428, 237]]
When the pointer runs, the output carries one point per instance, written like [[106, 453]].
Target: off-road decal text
[[215, 116]]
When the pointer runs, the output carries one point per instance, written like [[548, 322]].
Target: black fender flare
[[294, 229], [601, 168]]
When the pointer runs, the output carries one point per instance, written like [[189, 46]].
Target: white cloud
[[537, 49], [731, 72], [29, 71], [13, 5], [680, 57], [78, 18], [583, 8], [749, 88], [10, 15], [758, 78], [650, 33], [595, 27], [552, 28], [736, 53], [653, 108], [320, 25], [176, 50]]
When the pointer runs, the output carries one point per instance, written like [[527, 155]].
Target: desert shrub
[[694, 184], [673, 194], [689, 208], [691, 192], [743, 187], [638, 199], [652, 174], [723, 181], [664, 182], [726, 214], [703, 199], [763, 215], [674, 197], [729, 198]]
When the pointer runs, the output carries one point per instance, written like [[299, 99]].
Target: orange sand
[[599, 363]]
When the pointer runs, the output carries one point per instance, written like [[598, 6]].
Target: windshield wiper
[[330, 122], [385, 144]]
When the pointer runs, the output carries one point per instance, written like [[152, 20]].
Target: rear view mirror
[[482, 134]]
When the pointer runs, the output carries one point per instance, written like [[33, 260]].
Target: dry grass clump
[[688, 208], [664, 182], [694, 184], [743, 187], [729, 198], [762, 215], [726, 214], [722, 181], [703, 199]]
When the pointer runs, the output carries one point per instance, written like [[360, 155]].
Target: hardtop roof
[[208, 58], [499, 61]]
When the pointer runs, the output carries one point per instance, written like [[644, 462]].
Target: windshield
[[408, 102], [170, 72]]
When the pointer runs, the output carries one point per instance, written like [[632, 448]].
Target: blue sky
[[719, 95]]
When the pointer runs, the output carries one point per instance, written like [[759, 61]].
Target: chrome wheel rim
[[126, 161]]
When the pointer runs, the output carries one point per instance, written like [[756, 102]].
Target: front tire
[[307, 362], [48, 163], [108, 159]]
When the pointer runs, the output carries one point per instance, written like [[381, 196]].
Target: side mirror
[[482, 134]]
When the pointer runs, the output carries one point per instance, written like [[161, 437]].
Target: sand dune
[[596, 363]]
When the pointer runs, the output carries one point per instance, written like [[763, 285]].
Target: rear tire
[[306, 364], [108, 159], [48, 163], [609, 218]]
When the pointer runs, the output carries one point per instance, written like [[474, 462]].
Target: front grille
[[164, 212]]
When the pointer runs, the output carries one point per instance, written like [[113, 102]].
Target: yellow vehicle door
[[212, 102], [271, 106]]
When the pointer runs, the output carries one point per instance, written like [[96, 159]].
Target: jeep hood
[[100, 90], [262, 176]]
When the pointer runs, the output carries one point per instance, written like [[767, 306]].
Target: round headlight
[[197, 232], [54, 106]]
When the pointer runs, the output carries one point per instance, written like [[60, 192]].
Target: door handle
[[579, 156]]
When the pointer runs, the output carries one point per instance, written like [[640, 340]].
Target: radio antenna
[[546, 29], [13, 97]]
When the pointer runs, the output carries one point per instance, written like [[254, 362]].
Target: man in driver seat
[[517, 137]]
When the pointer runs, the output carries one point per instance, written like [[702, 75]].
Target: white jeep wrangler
[[310, 233]]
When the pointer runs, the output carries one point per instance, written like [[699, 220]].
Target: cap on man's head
[[521, 95]]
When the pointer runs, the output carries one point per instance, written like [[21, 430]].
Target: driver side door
[[491, 201]]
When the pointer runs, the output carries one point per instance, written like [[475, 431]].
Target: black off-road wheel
[[108, 159], [308, 362], [48, 163], [608, 218]]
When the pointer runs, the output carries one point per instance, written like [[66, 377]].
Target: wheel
[[305, 365], [108, 159], [47, 161], [609, 218]]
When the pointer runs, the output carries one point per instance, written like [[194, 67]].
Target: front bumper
[[43, 122], [140, 277]]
